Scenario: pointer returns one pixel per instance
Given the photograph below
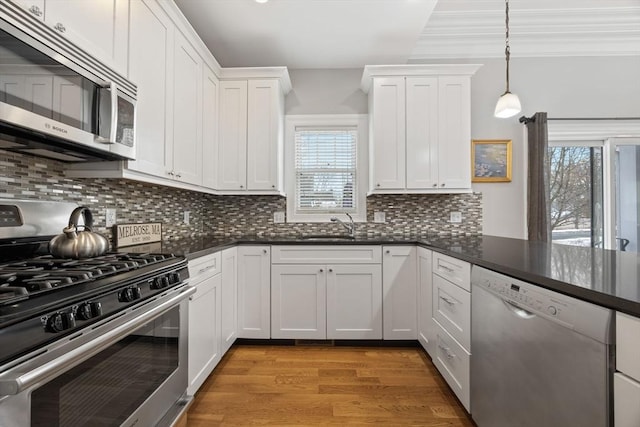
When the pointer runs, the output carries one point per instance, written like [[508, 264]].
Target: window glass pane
[[325, 164], [576, 209], [627, 179]]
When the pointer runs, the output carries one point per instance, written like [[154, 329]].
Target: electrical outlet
[[278, 217], [110, 217], [187, 217], [455, 217], [379, 217]]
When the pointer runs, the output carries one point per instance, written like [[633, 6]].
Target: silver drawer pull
[[444, 267], [446, 351], [209, 267], [35, 10], [448, 301], [60, 27]]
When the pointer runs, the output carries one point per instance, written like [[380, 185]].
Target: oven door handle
[[20, 381]]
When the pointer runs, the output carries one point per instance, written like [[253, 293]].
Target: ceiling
[[304, 34]]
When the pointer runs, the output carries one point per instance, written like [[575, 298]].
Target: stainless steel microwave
[[58, 101]]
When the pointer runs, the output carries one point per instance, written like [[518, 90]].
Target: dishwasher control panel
[[527, 296]]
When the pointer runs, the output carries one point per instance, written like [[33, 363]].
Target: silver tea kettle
[[74, 243]]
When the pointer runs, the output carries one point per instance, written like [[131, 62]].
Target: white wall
[[563, 87]]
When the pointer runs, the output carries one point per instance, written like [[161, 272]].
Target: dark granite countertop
[[604, 277]]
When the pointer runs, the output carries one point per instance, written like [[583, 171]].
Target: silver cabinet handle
[[444, 267], [178, 175], [448, 301], [242, 186], [447, 351], [170, 173], [321, 270], [35, 10], [209, 267], [331, 270], [60, 27], [442, 185], [435, 184], [264, 251]]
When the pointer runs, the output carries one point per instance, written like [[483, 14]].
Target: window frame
[[329, 121]]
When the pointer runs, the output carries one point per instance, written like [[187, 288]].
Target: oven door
[[130, 370]]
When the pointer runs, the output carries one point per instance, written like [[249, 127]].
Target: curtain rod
[[526, 120]]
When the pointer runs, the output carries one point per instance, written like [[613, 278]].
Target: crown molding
[[595, 31]]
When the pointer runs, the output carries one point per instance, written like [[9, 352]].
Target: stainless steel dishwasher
[[539, 358]]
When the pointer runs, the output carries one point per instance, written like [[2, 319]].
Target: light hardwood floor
[[307, 385]]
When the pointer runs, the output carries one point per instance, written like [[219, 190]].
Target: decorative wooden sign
[[136, 234]]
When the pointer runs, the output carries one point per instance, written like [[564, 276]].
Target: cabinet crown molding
[[280, 73], [371, 71]]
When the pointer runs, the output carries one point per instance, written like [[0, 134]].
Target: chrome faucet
[[351, 227]]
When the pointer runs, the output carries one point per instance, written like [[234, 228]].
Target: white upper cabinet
[[100, 27], [187, 113], [420, 121], [251, 135], [232, 160], [151, 68], [210, 99]]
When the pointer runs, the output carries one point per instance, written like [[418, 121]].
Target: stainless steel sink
[[327, 237]]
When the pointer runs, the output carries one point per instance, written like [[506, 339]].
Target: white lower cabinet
[[453, 362], [254, 292], [229, 297], [451, 317], [399, 293], [298, 301], [426, 327], [354, 301], [326, 292], [204, 344], [626, 382]]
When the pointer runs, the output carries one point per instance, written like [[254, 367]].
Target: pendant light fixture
[[508, 104]]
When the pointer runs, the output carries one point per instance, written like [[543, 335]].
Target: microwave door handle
[[113, 125]]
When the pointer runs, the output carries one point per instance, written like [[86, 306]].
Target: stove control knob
[[89, 310], [59, 322], [160, 283], [174, 278], [129, 294]]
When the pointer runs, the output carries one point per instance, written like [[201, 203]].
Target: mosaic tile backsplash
[[26, 177]]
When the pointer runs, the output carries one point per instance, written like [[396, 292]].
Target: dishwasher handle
[[518, 311]]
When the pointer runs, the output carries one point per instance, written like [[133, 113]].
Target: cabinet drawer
[[626, 401], [453, 269], [452, 309], [453, 362], [326, 254], [203, 267], [628, 345]]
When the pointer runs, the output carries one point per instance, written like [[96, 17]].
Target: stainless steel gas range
[[98, 341]]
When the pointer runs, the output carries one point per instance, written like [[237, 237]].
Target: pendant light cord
[[507, 50]]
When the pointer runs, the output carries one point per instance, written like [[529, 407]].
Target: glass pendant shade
[[508, 105]]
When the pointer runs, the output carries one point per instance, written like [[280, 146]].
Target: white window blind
[[325, 170]]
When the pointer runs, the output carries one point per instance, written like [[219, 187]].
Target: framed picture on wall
[[491, 160]]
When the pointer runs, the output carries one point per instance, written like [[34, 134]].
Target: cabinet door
[[187, 112], [229, 296], [204, 331], [354, 301], [264, 134], [426, 328], [626, 401], [454, 130], [399, 292], [254, 291], [232, 161], [209, 129], [298, 301], [422, 132], [99, 27], [151, 68], [388, 138]]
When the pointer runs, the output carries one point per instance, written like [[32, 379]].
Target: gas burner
[[45, 274]]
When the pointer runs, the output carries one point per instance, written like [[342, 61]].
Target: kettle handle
[[86, 214]]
